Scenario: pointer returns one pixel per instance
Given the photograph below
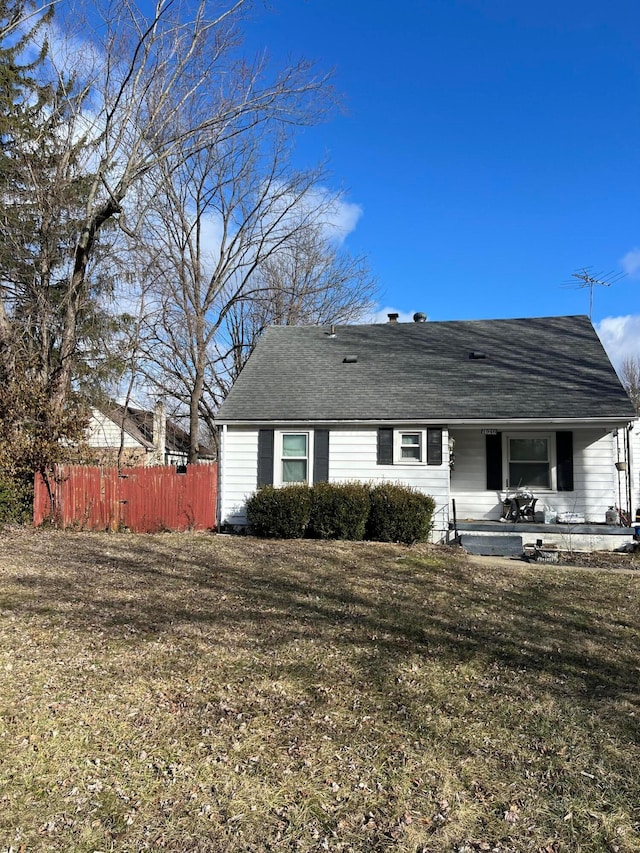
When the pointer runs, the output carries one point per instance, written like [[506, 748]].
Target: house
[[464, 411], [147, 437]]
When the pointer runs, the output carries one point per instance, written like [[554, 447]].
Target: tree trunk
[[61, 377], [194, 410]]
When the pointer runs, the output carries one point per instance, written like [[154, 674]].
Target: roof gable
[[532, 368], [138, 424]]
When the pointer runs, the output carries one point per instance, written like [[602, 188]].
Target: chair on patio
[[521, 506]]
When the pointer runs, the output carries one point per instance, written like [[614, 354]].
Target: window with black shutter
[[494, 462], [564, 461], [321, 456], [434, 446], [385, 446], [409, 446], [265, 457]]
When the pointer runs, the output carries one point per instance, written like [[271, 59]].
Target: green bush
[[16, 500], [399, 514], [387, 512], [280, 513], [339, 511]]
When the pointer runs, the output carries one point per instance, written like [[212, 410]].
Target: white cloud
[[72, 53], [620, 337], [338, 218], [631, 263], [335, 217], [342, 218], [211, 235]]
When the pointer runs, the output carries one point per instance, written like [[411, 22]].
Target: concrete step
[[492, 546]]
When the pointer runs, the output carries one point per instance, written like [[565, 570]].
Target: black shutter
[[385, 446], [494, 462], [564, 459], [265, 457], [321, 456], [434, 446]]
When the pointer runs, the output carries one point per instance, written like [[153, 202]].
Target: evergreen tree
[[21, 98], [39, 202]]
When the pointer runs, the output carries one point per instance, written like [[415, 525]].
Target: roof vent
[[474, 355], [419, 317], [332, 332], [350, 359], [393, 318]]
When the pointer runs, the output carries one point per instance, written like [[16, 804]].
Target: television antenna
[[585, 279]]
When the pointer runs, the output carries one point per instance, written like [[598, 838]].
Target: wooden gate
[[143, 500]]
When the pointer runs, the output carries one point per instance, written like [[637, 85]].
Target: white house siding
[[630, 479], [352, 456], [595, 477], [239, 474], [634, 467], [353, 452], [103, 432], [469, 477]]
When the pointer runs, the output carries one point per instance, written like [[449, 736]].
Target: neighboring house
[[461, 410], [147, 437]]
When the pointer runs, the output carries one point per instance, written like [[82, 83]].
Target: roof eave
[[610, 421]]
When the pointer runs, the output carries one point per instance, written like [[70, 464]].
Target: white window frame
[[397, 446], [551, 459], [278, 458]]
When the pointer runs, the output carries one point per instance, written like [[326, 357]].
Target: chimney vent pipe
[[159, 436]]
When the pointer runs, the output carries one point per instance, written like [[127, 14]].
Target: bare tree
[[630, 377], [310, 281], [238, 238], [155, 91]]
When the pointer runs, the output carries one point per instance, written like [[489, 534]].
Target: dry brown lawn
[[189, 692]]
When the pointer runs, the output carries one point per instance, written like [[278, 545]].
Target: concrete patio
[[509, 539]]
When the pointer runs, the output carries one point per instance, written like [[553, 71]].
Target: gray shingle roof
[[138, 423], [537, 368]]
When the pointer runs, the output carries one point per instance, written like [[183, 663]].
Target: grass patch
[[194, 693]]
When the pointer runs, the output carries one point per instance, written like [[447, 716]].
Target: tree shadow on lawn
[[375, 605]]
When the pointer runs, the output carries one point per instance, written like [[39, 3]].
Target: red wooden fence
[[143, 500]]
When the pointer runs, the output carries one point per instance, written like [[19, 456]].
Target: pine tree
[[39, 200], [22, 99]]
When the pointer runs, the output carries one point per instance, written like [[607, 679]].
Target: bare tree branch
[[630, 378], [161, 89], [243, 242]]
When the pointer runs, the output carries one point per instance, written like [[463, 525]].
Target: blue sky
[[491, 147]]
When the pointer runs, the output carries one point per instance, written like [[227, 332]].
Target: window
[[411, 446], [295, 457], [408, 447], [292, 456], [529, 461]]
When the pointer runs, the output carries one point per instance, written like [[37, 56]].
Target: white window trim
[[551, 444], [277, 456], [397, 446]]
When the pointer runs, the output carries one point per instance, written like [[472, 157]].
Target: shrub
[[339, 510], [279, 513], [387, 512], [399, 514], [16, 500]]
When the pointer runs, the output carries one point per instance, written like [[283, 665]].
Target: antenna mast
[[588, 280]]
